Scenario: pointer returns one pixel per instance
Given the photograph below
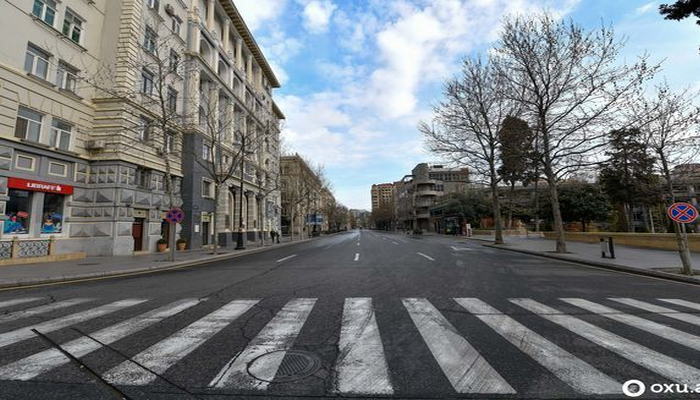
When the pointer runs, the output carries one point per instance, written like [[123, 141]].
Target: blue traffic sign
[[683, 213]]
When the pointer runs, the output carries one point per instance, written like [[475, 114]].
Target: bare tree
[[673, 128], [301, 183], [467, 122], [572, 86]]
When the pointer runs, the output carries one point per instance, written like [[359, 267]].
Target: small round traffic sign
[[684, 213], [175, 215]]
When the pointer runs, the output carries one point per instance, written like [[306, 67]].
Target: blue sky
[[358, 75]]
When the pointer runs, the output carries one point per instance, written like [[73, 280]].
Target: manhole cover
[[295, 365]]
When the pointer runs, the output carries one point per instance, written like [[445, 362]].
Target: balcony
[[421, 193], [423, 215]]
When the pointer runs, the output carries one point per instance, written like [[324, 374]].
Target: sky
[[358, 76]]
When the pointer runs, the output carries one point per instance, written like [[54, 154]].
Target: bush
[[417, 231], [162, 241], [181, 240]]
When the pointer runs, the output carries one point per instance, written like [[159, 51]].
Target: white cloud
[[255, 15], [317, 15], [646, 8]]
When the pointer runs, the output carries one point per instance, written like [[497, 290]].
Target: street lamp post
[[241, 227]]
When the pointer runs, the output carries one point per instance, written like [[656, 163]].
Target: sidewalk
[[653, 262], [96, 267]]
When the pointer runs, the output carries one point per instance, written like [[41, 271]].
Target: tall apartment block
[[106, 109], [382, 196]]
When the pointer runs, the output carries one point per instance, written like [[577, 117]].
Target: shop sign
[[37, 186]]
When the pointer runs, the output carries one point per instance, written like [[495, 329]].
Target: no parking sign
[[175, 215], [683, 213]]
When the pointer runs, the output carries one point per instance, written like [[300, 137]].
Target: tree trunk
[[681, 237], [511, 205], [498, 224], [583, 225], [556, 211], [214, 223]]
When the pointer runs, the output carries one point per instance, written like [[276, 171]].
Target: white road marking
[[39, 363], [166, 353], [277, 336], [666, 312], [395, 242], [286, 258], [426, 256], [573, 371], [465, 368], [683, 303], [361, 366], [672, 334], [357, 256], [21, 334], [654, 361], [8, 303], [455, 248], [41, 309], [358, 243]]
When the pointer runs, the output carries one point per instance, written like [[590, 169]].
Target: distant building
[[416, 193], [382, 196]]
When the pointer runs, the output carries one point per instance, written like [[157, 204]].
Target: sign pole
[[171, 241]]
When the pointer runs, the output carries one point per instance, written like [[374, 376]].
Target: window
[[28, 125], [169, 142], [153, 4], [149, 40], [207, 188], [72, 26], [17, 211], [174, 60], [25, 162], [58, 169], [172, 99], [52, 215], [45, 10], [206, 152], [176, 23], [146, 82], [66, 77], [36, 62], [144, 129], [143, 178], [60, 134]]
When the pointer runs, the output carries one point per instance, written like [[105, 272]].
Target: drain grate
[[296, 365]]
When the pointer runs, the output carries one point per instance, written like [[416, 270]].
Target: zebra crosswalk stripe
[[684, 303], [32, 366], [465, 368], [654, 361], [361, 367], [13, 302], [666, 312], [672, 334], [43, 309], [571, 370], [276, 338], [166, 353], [21, 334]]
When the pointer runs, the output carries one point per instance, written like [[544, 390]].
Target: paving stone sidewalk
[[651, 261]]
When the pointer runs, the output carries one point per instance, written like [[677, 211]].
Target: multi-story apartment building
[[304, 198], [416, 193], [382, 196], [104, 112]]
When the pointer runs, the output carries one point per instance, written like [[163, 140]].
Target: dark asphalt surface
[[388, 270]]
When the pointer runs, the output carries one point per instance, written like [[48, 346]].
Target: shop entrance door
[[205, 233], [137, 233]]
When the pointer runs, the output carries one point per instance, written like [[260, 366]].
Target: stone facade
[[85, 149]]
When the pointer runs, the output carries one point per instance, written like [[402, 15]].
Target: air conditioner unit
[[95, 144]]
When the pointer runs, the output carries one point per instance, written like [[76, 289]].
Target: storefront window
[[17, 211], [52, 219]]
